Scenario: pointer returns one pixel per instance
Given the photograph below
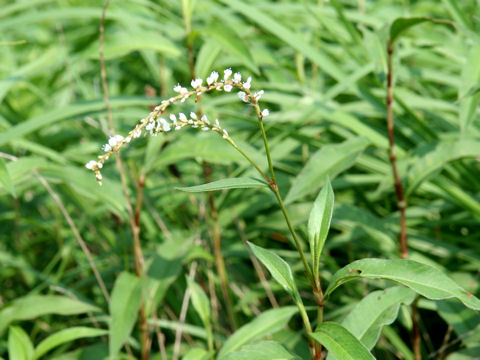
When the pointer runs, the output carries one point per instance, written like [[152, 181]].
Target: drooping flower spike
[[153, 124]]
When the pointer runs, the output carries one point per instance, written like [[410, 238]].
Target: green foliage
[[323, 66]]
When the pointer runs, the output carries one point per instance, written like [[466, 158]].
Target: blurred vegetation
[[323, 67]]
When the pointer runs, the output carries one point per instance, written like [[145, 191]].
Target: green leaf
[[340, 342], [124, 305], [33, 306], [327, 162], [233, 183], [19, 345], [373, 312], [206, 57], [401, 25], [118, 44], [440, 154], [424, 279], [319, 223], [283, 33], [470, 79], [64, 336], [266, 323], [200, 301], [279, 269], [264, 350], [5, 178], [231, 43]]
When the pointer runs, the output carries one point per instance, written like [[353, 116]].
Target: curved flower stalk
[[154, 124]]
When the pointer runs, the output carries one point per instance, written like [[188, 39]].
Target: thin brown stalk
[[76, 233], [134, 218], [401, 201]]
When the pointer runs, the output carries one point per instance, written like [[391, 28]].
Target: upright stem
[[402, 203]]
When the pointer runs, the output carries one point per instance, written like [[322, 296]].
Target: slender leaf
[[373, 312], [319, 223], [340, 342], [268, 322], [233, 183], [19, 345], [327, 162], [269, 24], [424, 279], [264, 350], [124, 305], [435, 159], [401, 25], [200, 301], [33, 306], [5, 178], [279, 269], [65, 336]]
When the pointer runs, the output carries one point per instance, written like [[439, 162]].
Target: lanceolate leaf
[[441, 153], [33, 306], [124, 305], [268, 322], [401, 25], [5, 179], [340, 342], [19, 345], [265, 350], [319, 223], [424, 279], [279, 269], [200, 301], [233, 183], [64, 336], [325, 163], [377, 309]]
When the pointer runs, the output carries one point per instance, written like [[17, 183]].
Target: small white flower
[[225, 134], [128, 139], [228, 88], [205, 128], [173, 118], [237, 77], [258, 94], [247, 84], [243, 96], [166, 126], [217, 123], [177, 88], [212, 78], [190, 121], [196, 83], [178, 127], [99, 177], [227, 73], [193, 115], [150, 126], [265, 112], [205, 119], [91, 164], [182, 117], [106, 147], [136, 133]]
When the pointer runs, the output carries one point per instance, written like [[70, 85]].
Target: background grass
[[323, 69]]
